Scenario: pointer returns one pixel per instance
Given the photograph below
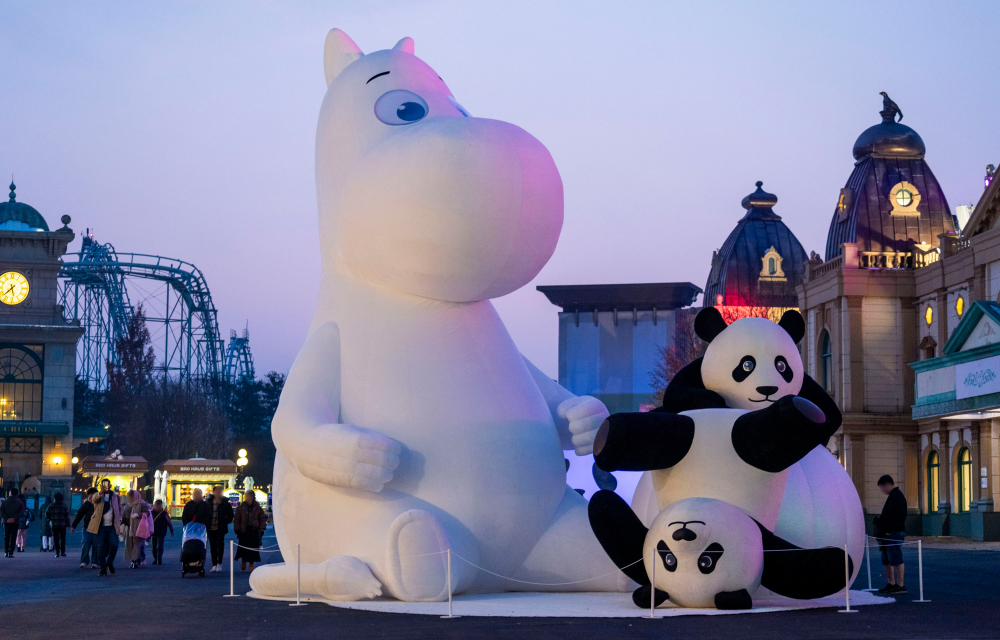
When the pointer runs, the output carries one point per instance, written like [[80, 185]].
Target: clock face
[[13, 287]]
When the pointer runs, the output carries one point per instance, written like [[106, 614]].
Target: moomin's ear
[[405, 45], [792, 322], [709, 323], [339, 52]]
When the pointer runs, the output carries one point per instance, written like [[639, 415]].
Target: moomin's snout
[[456, 209]]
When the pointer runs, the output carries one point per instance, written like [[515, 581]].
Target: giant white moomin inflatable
[[410, 423]]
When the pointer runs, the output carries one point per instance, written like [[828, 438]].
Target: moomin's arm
[[306, 427], [577, 418]]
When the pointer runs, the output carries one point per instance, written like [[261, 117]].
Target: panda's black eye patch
[[710, 558], [666, 555], [783, 368], [744, 368]]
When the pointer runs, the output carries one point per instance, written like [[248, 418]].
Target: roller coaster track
[[94, 287]]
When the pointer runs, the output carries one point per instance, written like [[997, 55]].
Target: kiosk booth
[[123, 472], [176, 479]]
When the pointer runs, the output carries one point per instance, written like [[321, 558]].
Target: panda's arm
[[687, 392], [777, 437], [813, 392], [642, 441]]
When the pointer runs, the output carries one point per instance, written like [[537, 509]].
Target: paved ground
[[45, 597]]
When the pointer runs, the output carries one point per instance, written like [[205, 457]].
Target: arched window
[[964, 484], [20, 382], [932, 482], [826, 363], [771, 269]]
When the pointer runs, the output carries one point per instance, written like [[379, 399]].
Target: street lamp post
[[241, 461]]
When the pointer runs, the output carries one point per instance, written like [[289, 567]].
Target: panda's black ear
[[792, 322], [709, 323]]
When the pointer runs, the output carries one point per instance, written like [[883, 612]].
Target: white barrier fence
[[652, 597]]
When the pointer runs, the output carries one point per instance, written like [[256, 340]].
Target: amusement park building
[[759, 265], [611, 337], [903, 330], [37, 351]]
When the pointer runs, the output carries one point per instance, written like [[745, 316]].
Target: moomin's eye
[[398, 107]]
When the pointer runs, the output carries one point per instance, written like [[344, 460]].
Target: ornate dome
[[760, 263], [17, 216], [889, 139], [892, 202]]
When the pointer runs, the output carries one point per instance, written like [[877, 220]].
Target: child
[[161, 522], [46, 527]]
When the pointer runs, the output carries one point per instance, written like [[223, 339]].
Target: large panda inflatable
[[732, 426]]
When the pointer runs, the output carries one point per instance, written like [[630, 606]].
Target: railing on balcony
[[896, 259], [818, 269]]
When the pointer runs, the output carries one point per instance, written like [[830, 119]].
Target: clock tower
[[37, 352]]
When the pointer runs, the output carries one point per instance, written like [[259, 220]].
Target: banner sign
[[977, 378]]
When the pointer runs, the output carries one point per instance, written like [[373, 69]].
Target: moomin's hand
[[343, 455], [585, 415]]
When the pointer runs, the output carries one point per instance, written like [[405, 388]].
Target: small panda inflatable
[[738, 455], [703, 553]]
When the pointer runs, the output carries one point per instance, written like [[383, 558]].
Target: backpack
[[145, 528]]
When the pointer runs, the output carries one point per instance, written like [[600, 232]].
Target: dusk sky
[[187, 129]]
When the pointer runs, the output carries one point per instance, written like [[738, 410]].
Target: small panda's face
[[702, 547], [752, 363]]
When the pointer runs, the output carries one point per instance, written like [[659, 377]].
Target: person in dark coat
[[10, 512], [249, 524], [88, 556], [221, 515], [58, 518], [889, 529], [197, 510], [161, 522]]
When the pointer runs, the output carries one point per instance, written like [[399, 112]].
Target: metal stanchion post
[[652, 587], [449, 588], [231, 593], [868, 563], [298, 578], [920, 569], [847, 584]]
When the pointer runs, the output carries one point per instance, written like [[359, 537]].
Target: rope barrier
[[450, 553], [547, 584]]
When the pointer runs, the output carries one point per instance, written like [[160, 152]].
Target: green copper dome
[[17, 216]]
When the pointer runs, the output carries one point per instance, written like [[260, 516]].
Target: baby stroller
[[193, 545]]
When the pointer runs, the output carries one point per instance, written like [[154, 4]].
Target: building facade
[[884, 316], [759, 266], [37, 351], [611, 337]]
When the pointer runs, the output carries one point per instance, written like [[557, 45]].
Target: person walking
[[249, 524], [161, 522], [10, 512], [88, 555], [22, 528], [43, 518], [135, 527], [106, 525], [222, 515], [889, 529], [196, 510], [58, 520]]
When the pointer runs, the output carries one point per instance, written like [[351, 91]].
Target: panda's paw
[[729, 600], [641, 597], [808, 409]]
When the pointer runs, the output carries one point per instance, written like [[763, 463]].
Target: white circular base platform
[[574, 605]]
